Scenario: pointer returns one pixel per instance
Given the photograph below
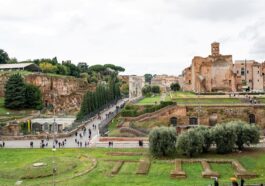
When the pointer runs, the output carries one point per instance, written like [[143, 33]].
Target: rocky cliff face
[[65, 92]]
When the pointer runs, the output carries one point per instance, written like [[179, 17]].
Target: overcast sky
[[144, 36]]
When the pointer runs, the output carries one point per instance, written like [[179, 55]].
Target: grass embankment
[[3, 110], [150, 100], [14, 161], [191, 98]]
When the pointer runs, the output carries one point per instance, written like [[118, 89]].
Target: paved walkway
[[70, 141]]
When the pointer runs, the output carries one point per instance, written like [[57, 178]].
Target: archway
[[174, 121], [193, 121], [251, 118]]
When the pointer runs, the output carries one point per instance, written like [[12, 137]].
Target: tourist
[[242, 181], [234, 181], [31, 144], [216, 183]]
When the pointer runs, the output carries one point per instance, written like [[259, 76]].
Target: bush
[[156, 89], [207, 136], [162, 141], [129, 113], [190, 143], [175, 87], [224, 137], [245, 134]]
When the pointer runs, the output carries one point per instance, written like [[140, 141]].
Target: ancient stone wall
[[66, 92], [210, 115]]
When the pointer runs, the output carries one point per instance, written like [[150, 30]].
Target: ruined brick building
[[217, 72]]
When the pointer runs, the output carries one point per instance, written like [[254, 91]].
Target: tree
[[190, 143], [207, 137], [33, 98], [48, 67], [115, 68], [15, 92], [72, 70], [3, 57], [146, 90], [224, 137], [148, 78], [175, 87], [162, 141], [245, 134], [156, 89]]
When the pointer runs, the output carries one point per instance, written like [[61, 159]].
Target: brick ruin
[[217, 72]]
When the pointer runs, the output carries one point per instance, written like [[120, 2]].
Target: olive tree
[[245, 134], [224, 137], [162, 141], [190, 143], [207, 136]]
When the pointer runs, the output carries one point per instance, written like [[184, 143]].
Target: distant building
[[20, 66], [164, 81], [136, 83], [249, 75]]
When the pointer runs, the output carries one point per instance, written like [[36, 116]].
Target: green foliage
[[72, 70], [148, 78], [33, 98], [96, 101], [224, 137], [19, 95], [246, 134], [15, 92], [190, 143], [48, 67], [207, 136], [149, 90], [162, 141], [133, 110], [115, 68], [3, 57], [156, 89], [175, 87]]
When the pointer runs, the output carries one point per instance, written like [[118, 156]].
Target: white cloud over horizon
[[144, 36]]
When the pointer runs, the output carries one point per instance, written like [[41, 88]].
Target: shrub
[[128, 113], [156, 89], [190, 143], [245, 134], [224, 137], [162, 141], [207, 136], [175, 86]]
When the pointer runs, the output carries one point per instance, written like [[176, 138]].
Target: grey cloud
[[217, 10]]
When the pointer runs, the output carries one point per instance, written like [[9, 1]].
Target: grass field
[[207, 100], [16, 163], [3, 110], [150, 100]]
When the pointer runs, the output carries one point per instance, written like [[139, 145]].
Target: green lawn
[[207, 100], [191, 98], [3, 110], [149, 100], [180, 94], [16, 163]]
